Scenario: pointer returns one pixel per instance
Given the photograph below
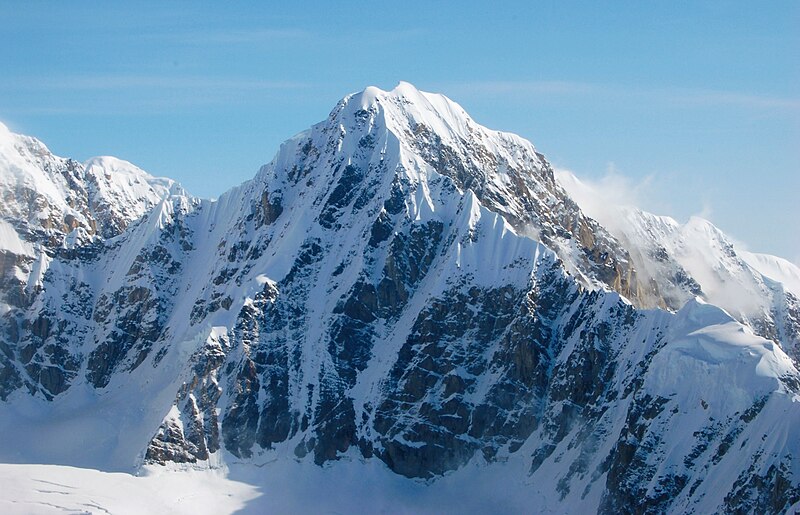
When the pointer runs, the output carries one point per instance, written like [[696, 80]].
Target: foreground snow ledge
[[41, 489], [280, 486]]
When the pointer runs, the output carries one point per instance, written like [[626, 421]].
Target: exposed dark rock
[[393, 349]]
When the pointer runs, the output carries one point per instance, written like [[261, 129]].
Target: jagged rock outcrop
[[402, 284], [679, 262]]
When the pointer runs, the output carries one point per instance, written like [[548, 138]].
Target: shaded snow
[[47, 489], [708, 359]]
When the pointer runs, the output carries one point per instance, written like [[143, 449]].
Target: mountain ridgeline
[[399, 284]]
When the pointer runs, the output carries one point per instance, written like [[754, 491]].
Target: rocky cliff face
[[679, 262], [402, 284], [58, 219]]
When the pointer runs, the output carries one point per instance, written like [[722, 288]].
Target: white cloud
[[124, 81], [536, 87], [674, 96], [710, 97], [121, 94], [705, 212], [232, 36], [601, 199], [697, 245]]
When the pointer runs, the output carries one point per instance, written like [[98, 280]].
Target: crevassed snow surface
[[48, 489], [281, 487]]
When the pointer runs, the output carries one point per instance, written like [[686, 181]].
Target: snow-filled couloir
[[405, 289]]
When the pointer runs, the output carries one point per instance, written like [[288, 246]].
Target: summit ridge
[[402, 286]]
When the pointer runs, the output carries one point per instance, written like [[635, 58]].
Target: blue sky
[[696, 104]]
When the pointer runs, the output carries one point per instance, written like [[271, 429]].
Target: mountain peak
[[4, 131], [403, 90], [375, 138], [48, 196], [406, 107], [376, 294], [7, 136]]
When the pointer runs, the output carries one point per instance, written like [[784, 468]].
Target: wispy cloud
[[43, 111], [273, 35], [537, 87], [231, 36], [602, 198], [713, 98], [119, 82], [140, 94], [706, 211], [674, 96]]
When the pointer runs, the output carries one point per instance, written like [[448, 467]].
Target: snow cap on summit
[[6, 135], [406, 106]]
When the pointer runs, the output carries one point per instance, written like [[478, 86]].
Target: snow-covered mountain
[[681, 261], [52, 205], [45, 196], [403, 288]]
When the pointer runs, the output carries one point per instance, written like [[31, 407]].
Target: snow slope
[[49, 205], [43, 192], [681, 261], [47, 489], [406, 296], [775, 268]]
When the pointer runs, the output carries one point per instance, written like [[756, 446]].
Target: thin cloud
[[538, 87], [43, 111], [603, 198], [676, 96], [736, 99], [232, 36], [706, 211], [382, 36], [143, 94], [258, 36], [119, 82]]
